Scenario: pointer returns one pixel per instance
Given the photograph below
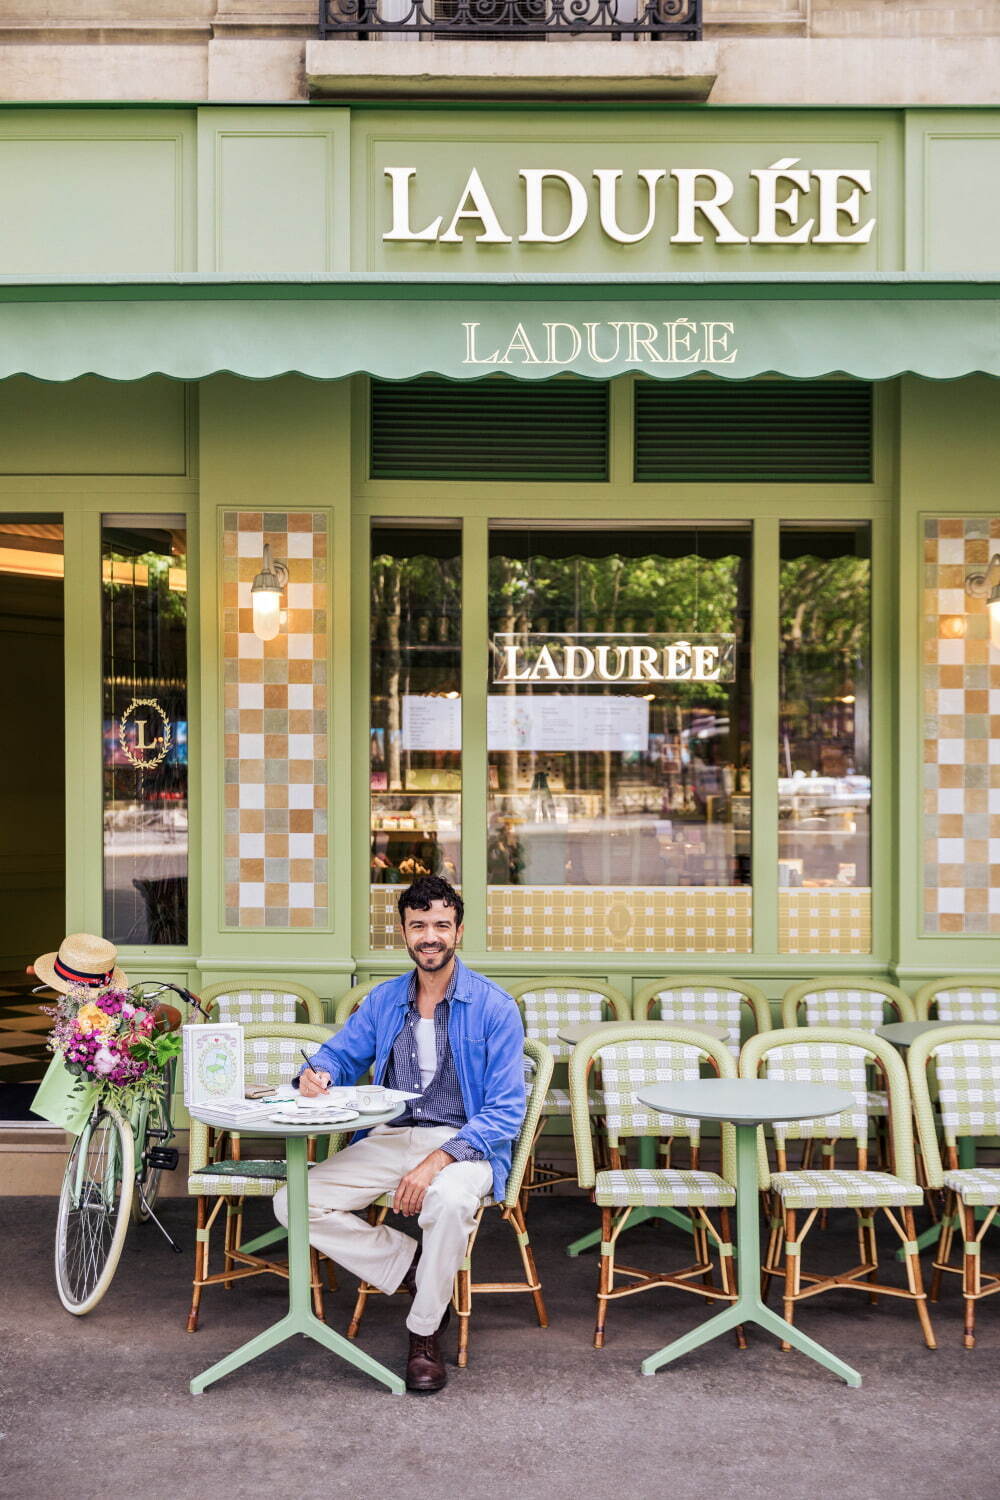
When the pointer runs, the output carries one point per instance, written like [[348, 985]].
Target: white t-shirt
[[426, 1049]]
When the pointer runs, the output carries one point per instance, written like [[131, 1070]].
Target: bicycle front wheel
[[94, 1210]]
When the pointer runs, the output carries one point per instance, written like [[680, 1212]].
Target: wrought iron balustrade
[[512, 20]]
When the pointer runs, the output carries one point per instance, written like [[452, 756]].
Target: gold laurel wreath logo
[[128, 752]]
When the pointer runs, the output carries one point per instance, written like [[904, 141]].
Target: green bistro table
[[300, 1317], [579, 1031], [903, 1034], [746, 1103]]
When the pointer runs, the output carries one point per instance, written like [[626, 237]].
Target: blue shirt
[[440, 1103], [486, 1037]]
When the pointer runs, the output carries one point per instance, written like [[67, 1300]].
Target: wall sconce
[[987, 586], [265, 596]]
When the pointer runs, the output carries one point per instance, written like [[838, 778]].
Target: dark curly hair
[[428, 888]]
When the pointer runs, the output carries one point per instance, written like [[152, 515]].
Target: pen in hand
[[309, 1065]]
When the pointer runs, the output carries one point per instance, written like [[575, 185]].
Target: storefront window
[[824, 769], [416, 708], [619, 710], [144, 588]]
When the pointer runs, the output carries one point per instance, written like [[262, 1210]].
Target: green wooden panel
[[97, 193], [93, 426], [497, 429], [952, 208], [819, 431]]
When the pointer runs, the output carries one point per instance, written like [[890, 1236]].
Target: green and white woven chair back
[[273, 1007], [713, 1007], [627, 1067], [968, 1080], [845, 1007], [547, 1011], [972, 1003], [270, 1060], [831, 1063]]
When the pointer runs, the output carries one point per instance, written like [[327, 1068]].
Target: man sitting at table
[[455, 1039]]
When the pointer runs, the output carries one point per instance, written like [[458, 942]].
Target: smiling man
[[456, 1040]]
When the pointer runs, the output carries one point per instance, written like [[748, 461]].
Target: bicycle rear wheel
[[94, 1210], [151, 1117]]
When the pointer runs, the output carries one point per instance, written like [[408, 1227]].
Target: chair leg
[[949, 1220], [915, 1278], [530, 1269], [200, 1264], [792, 1256], [315, 1282], [970, 1274], [605, 1277], [729, 1270], [361, 1302], [228, 1240], [463, 1307]]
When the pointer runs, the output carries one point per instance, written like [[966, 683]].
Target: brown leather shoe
[[425, 1368]]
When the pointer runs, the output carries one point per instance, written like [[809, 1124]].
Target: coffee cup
[[371, 1097]]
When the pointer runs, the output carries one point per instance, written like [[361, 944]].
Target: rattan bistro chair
[[971, 997], [839, 1056], [352, 998], [541, 1061], [716, 999], [260, 1002], [271, 1056], [623, 1059], [966, 1061], [546, 1006]]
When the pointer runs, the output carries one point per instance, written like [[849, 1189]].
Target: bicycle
[[112, 1179]]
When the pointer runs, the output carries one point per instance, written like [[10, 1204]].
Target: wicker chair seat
[[557, 1102], [878, 1102], [976, 1186], [237, 1179], [844, 1189], [662, 1187]]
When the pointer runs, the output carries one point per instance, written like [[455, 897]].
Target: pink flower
[[105, 1061]]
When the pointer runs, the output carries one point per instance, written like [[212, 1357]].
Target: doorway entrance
[[32, 796]]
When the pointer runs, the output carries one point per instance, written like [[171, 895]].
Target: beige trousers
[[353, 1178]]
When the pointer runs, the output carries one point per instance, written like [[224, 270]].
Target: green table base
[[749, 1308], [300, 1317], [647, 1158]]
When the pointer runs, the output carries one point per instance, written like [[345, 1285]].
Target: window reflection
[[601, 772], [416, 707], [824, 771], [144, 589]]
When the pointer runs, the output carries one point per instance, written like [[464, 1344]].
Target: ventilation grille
[[808, 432], [498, 428]]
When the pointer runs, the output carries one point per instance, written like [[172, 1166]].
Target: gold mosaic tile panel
[[275, 726], [824, 920], [961, 732], [610, 919]]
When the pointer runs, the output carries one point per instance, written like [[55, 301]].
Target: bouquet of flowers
[[107, 1039]]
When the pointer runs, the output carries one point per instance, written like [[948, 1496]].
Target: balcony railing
[[512, 20]]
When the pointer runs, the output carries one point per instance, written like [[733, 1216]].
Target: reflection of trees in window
[[825, 652]]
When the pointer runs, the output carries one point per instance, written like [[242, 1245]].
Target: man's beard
[[431, 963]]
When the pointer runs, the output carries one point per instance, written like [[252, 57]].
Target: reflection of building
[[695, 469]]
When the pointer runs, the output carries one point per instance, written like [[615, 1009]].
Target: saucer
[[293, 1115]]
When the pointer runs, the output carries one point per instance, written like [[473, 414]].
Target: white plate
[[296, 1116]]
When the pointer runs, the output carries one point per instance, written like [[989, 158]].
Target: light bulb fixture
[[987, 586], [265, 596]]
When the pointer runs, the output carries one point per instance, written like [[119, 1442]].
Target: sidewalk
[[98, 1407]]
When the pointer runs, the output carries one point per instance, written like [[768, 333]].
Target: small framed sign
[[213, 1064]]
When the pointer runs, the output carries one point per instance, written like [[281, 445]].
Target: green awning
[[190, 327]]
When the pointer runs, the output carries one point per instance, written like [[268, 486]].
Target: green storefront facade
[[735, 381]]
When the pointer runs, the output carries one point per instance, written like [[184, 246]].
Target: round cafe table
[[578, 1031], [300, 1317], [747, 1103]]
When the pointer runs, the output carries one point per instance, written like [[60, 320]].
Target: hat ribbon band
[[76, 976]]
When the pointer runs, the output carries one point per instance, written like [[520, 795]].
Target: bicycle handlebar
[[141, 991]]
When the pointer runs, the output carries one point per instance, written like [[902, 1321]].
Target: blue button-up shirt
[[440, 1103]]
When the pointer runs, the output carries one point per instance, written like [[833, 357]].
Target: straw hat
[[82, 959]]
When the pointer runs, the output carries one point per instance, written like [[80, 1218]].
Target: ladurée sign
[[676, 341], [635, 659], [788, 204]]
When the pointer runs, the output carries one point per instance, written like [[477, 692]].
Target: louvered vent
[[498, 428], [784, 432]]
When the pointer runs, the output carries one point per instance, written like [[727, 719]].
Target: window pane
[[824, 772], [144, 590], [619, 709], [416, 711]]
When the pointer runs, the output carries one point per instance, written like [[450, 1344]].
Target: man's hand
[[312, 1083], [409, 1197]]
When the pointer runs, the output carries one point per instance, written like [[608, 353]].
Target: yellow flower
[[91, 1017]]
